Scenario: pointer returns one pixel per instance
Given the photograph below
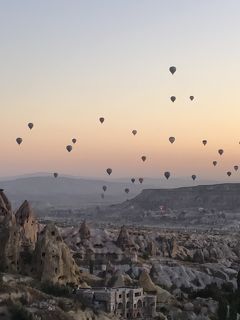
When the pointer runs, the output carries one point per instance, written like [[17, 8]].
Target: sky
[[65, 63]]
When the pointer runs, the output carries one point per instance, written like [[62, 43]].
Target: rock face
[[52, 259], [124, 241], [29, 226], [10, 241], [148, 286], [84, 231], [5, 206], [219, 196]]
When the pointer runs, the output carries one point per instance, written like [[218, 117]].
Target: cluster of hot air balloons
[[69, 147], [172, 140], [19, 140], [173, 69]]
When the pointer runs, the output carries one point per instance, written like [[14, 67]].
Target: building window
[[137, 294], [120, 296]]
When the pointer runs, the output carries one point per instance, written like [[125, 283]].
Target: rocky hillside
[[219, 196]]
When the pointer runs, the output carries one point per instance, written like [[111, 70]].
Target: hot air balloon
[[167, 175], [126, 190], [30, 125], [194, 177], [134, 132], [214, 163], [104, 188], [109, 171], [172, 139], [204, 142], [19, 141], [140, 180], [69, 148], [229, 173], [173, 98], [101, 119], [236, 168], [221, 151], [144, 158], [74, 140], [172, 69], [55, 174], [133, 180], [191, 98]]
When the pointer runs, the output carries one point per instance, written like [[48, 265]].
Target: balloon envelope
[[133, 180], [109, 171], [236, 168], [69, 148], [144, 158], [104, 188], [172, 139], [140, 180], [55, 174], [19, 141], [173, 98], [167, 174], [229, 173], [204, 142], [191, 98], [214, 163], [74, 140], [220, 151], [134, 132], [172, 69], [194, 177], [30, 125], [126, 190], [101, 119]]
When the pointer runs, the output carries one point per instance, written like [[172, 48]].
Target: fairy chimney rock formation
[[5, 206], [53, 261], [84, 231], [27, 221], [124, 241]]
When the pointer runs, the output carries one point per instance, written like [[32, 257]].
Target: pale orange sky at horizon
[[64, 66]]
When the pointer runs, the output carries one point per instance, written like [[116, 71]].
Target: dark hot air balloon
[[167, 174], [30, 125], [172, 139], [194, 177], [74, 140], [229, 173], [101, 119], [134, 132], [126, 190], [109, 171], [55, 174], [133, 180], [140, 180], [191, 98], [173, 98], [144, 158], [69, 148], [19, 141], [221, 151], [236, 168], [214, 163], [204, 142], [172, 69], [104, 188]]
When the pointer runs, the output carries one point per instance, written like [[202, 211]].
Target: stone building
[[125, 302]]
